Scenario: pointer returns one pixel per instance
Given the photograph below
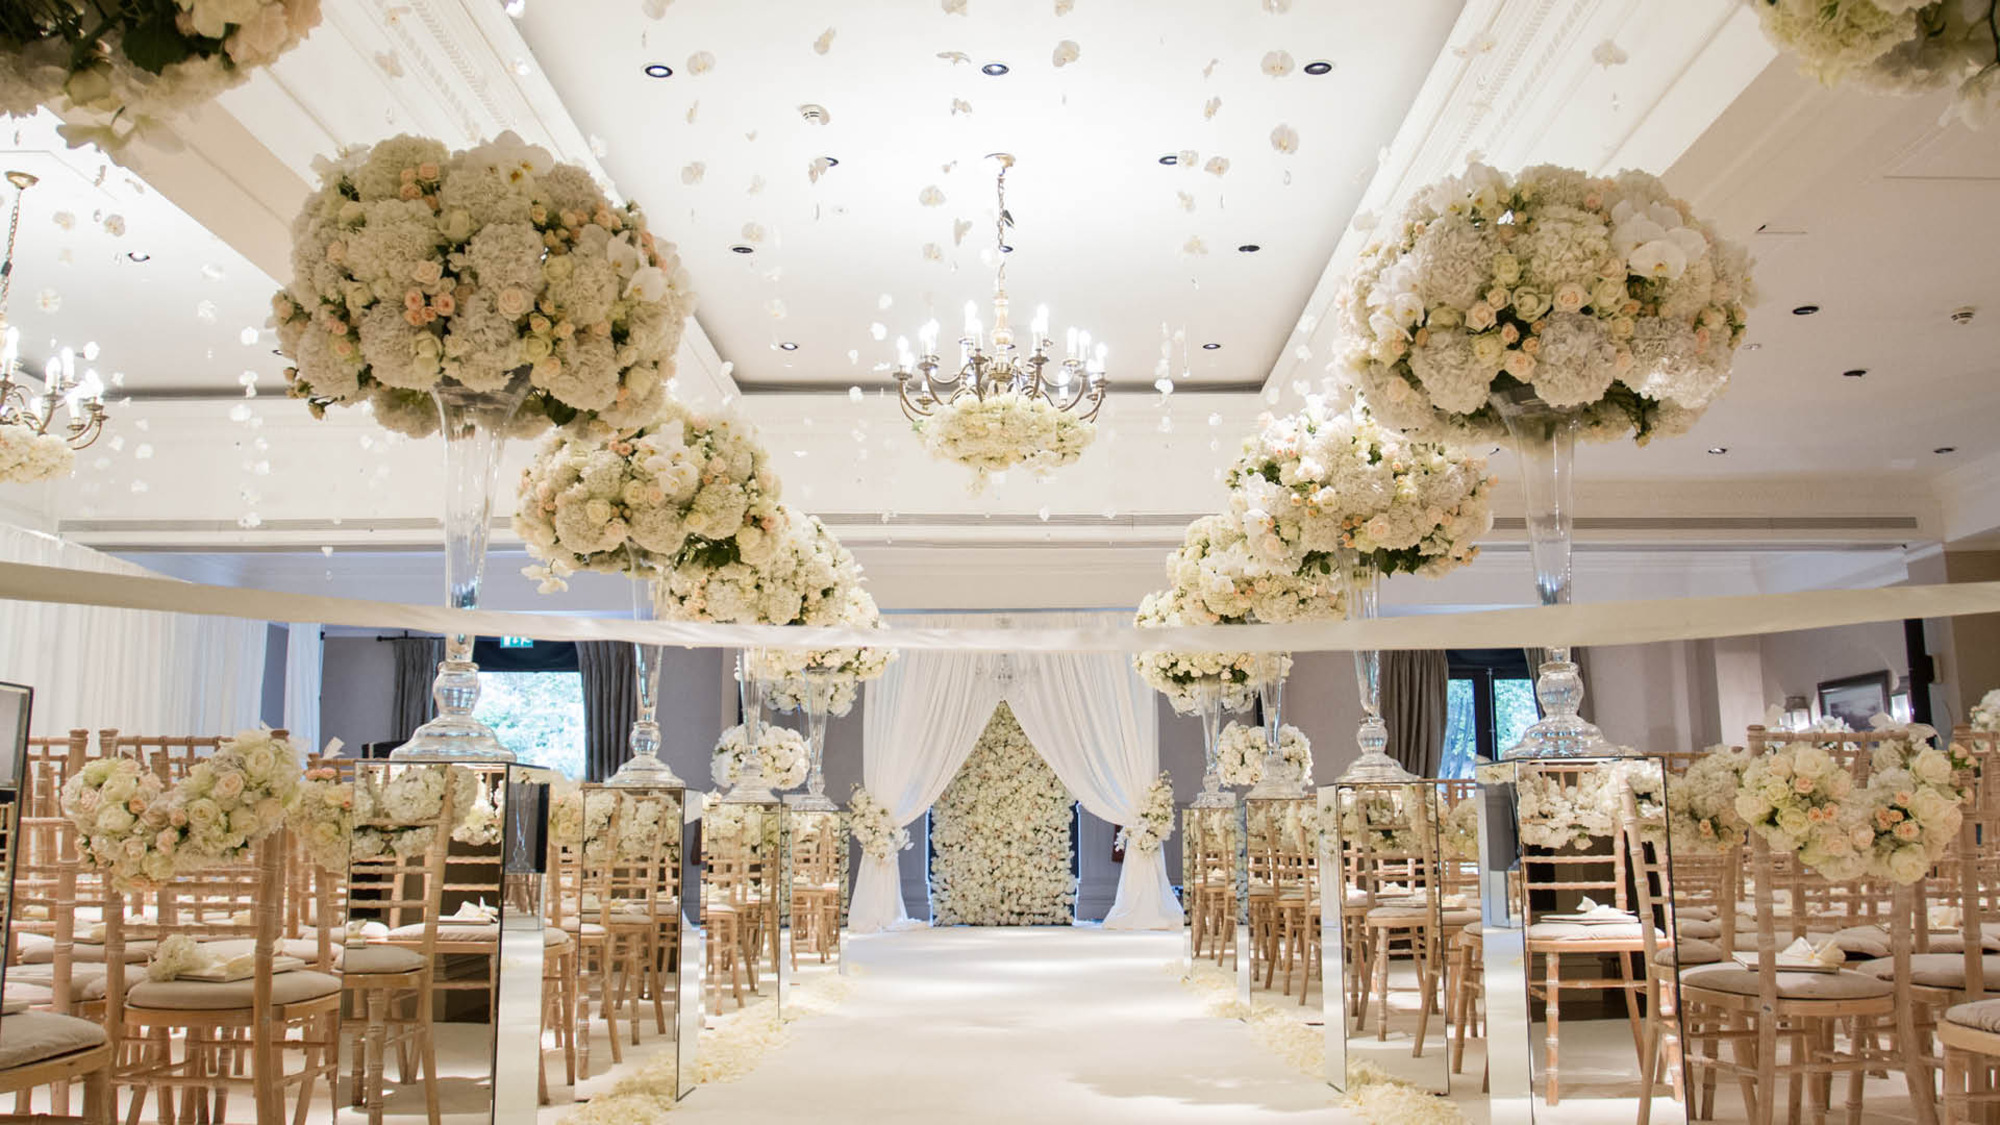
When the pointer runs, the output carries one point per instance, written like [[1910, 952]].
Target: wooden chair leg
[[1552, 1007]]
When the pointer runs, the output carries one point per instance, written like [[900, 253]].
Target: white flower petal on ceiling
[[756, 185], [1477, 45], [960, 105], [1285, 139], [1187, 158], [1364, 221], [818, 168], [64, 219], [879, 330], [701, 62], [956, 57], [693, 108], [959, 229], [753, 232], [1063, 7], [48, 300], [824, 43], [953, 7], [932, 253], [776, 307], [1209, 70], [1277, 64], [1186, 200], [1208, 111], [1608, 54], [1066, 53], [1194, 247], [654, 9], [1216, 166], [692, 173], [931, 196]]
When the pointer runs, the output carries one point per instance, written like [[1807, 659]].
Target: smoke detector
[[1963, 314], [815, 113]]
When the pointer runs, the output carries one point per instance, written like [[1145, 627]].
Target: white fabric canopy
[[139, 671], [1088, 714], [304, 655], [919, 725], [1094, 720]]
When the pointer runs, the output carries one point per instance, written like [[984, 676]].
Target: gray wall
[[357, 681]]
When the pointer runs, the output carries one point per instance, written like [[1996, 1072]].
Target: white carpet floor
[[977, 1025]]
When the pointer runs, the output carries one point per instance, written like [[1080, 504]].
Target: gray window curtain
[[610, 704], [1577, 657], [417, 659], [1413, 704]]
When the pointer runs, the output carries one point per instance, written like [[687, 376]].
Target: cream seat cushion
[[40, 949], [190, 995], [1859, 942], [1701, 913], [553, 938], [1934, 970], [1842, 985], [1689, 951], [360, 960], [304, 950], [1981, 1014], [1410, 915], [1705, 929], [31, 1037], [449, 931], [86, 982], [1577, 931]]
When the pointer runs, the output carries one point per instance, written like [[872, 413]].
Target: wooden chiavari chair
[[816, 885], [591, 906], [1412, 915], [1969, 1031], [726, 906], [1208, 881]]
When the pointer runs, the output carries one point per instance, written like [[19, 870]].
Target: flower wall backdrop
[[1001, 837]]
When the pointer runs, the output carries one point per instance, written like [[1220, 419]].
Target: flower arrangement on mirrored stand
[[487, 294], [1531, 309], [1203, 684], [822, 683]]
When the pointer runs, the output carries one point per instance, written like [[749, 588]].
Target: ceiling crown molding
[[1518, 84]]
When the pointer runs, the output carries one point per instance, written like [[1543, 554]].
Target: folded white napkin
[[1590, 909], [1946, 918], [1803, 952], [1392, 889], [1454, 902], [475, 912]]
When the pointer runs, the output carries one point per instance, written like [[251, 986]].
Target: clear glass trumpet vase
[[814, 799], [1544, 439], [1363, 602], [474, 429], [1208, 707], [750, 787], [1279, 779], [643, 766]]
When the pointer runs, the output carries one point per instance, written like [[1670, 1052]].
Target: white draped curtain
[[139, 671], [304, 655], [1088, 714]]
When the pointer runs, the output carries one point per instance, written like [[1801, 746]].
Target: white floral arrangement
[[792, 676], [126, 70], [1379, 820], [997, 432], [1701, 803], [1895, 46], [1458, 832], [1289, 825], [1986, 713], [781, 750], [1156, 819], [323, 818], [806, 580], [480, 824], [1322, 481], [1796, 797], [176, 954], [1912, 805], [683, 486], [878, 836], [27, 457], [125, 826], [1557, 809], [1000, 837], [1219, 579], [583, 818], [394, 809], [416, 267], [1239, 753], [1605, 295], [1180, 675]]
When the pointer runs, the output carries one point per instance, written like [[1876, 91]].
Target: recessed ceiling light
[[1718, 450], [1855, 372], [1945, 449], [1170, 159], [994, 69], [740, 248], [1805, 310], [1753, 347], [1318, 68], [1248, 248], [832, 161], [1210, 347], [138, 255], [659, 70], [788, 346]]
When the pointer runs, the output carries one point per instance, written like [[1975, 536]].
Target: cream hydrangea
[[323, 818], [415, 267], [1239, 752], [684, 487], [27, 457], [1219, 579], [1701, 804], [781, 751], [994, 433], [1560, 808], [793, 676], [130, 71], [1605, 295], [1156, 819], [1000, 836], [1181, 676], [806, 579], [1894, 46], [396, 807], [1986, 713], [1322, 480], [874, 831]]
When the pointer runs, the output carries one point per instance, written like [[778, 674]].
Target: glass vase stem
[[1363, 580], [1208, 706], [643, 765], [750, 787]]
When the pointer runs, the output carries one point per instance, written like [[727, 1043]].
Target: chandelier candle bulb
[[1041, 326]]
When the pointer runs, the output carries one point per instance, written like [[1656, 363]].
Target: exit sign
[[517, 642]]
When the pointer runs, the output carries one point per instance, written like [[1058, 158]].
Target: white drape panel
[[917, 728], [303, 658], [139, 671], [1093, 719]]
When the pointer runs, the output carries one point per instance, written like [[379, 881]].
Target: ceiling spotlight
[[659, 70], [831, 161], [1945, 449], [1170, 159], [1210, 347], [994, 69], [138, 256], [1248, 248], [1718, 450], [1319, 68], [1855, 372], [1805, 310], [1753, 347], [788, 346], [740, 248]]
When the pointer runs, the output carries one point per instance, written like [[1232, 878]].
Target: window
[[1489, 701], [538, 715]]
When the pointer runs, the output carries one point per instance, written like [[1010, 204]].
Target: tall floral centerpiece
[[1530, 309], [1203, 684], [683, 484], [1895, 46], [486, 293], [119, 72], [1334, 489], [822, 682]]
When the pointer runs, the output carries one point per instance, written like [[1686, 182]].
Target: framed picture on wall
[[1856, 699]]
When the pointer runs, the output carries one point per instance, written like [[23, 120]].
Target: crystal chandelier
[[82, 398], [995, 365]]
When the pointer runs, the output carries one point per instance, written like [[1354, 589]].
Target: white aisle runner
[[1013, 1025]]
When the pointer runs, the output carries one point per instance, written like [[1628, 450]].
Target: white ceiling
[[1100, 230]]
